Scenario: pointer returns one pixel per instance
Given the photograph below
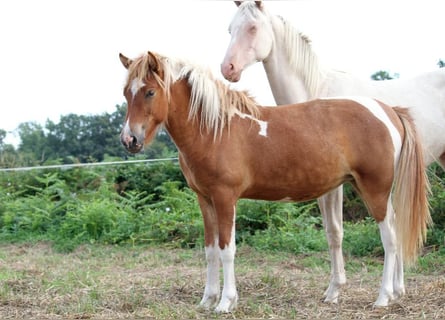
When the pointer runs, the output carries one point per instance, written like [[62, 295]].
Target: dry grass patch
[[100, 282]]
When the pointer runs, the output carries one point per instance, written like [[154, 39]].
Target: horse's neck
[[286, 85], [185, 132], [289, 84]]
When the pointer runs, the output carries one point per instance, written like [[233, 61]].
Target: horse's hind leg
[[331, 207], [399, 281], [391, 267]]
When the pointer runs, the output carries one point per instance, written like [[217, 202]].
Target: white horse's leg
[[389, 240], [211, 291], [331, 207], [229, 297]]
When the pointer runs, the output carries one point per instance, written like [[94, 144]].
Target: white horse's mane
[[299, 53], [301, 56]]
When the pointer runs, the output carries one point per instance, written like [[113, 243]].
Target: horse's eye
[[150, 93]]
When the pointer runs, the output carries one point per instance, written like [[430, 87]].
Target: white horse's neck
[[286, 85], [292, 67]]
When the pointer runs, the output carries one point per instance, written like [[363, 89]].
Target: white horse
[[295, 75]]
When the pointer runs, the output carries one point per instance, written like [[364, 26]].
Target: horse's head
[[252, 39], [147, 100]]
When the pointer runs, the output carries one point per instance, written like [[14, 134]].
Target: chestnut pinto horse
[[295, 75], [231, 148]]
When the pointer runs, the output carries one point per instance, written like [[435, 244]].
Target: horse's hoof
[[333, 300], [226, 305], [331, 294], [208, 303], [381, 303]]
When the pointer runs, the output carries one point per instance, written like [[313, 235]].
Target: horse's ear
[[125, 61], [153, 62], [259, 4]]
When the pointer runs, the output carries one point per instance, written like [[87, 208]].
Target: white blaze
[[136, 84]]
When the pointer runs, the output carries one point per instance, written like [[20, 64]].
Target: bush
[[289, 227], [362, 238], [83, 205]]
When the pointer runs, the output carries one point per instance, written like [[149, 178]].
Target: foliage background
[[151, 203], [143, 203]]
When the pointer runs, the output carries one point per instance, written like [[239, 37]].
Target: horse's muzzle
[[131, 143], [229, 72]]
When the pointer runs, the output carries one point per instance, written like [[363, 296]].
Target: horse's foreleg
[[229, 297], [212, 287], [389, 240], [211, 291], [331, 207]]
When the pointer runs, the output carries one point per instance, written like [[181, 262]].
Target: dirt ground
[[101, 282]]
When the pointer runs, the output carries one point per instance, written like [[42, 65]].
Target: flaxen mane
[[210, 98]]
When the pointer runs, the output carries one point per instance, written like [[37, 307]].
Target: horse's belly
[[304, 191]]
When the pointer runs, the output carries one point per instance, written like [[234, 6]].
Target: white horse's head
[[252, 39]]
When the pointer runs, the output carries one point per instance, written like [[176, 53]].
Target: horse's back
[[403, 92], [423, 95], [313, 147]]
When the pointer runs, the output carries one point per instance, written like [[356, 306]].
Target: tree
[[2, 137], [441, 63], [83, 138], [383, 75], [33, 142], [86, 138], [8, 154]]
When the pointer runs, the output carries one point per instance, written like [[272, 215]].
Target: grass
[[117, 282]]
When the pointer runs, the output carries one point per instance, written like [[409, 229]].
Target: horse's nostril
[[129, 141], [231, 67], [133, 141]]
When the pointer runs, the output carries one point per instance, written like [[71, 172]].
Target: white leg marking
[[389, 240], [229, 297], [399, 281], [211, 291]]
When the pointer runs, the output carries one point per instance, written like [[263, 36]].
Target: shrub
[[80, 205]]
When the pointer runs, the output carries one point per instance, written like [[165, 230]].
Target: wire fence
[[92, 164]]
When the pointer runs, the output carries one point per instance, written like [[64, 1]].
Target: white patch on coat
[[261, 123], [377, 110]]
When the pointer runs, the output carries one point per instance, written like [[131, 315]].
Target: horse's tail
[[411, 191]]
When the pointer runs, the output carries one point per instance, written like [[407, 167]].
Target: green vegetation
[[83, 231], [151, 204]]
